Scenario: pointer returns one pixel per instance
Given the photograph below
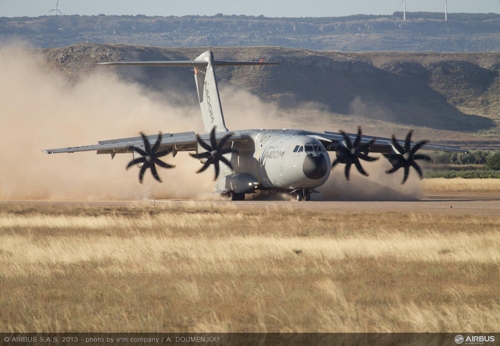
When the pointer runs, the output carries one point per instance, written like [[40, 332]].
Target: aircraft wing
[[381, 145], [183, 141]]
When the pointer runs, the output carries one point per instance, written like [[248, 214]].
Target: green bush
[[493, 162], [474, 157]]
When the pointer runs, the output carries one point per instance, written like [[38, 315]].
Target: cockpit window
[[296, 148], [301, 149], [309, 148], [317, 148]]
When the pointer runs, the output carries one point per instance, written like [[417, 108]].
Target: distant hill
[[436, 91], [422, 31]]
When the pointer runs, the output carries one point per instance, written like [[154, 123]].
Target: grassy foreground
[[208, 267]]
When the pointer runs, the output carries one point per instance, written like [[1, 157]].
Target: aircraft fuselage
[[280, 160]]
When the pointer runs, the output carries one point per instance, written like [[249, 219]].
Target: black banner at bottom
[[260, 339]]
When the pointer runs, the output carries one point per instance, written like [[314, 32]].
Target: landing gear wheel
[[238, 197], [300, 196], [307, 195]]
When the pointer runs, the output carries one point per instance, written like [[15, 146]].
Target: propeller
[[150, 157], [350, 153], [405, 157], [214, 152]]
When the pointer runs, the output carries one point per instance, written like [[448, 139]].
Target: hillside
[[450, 96], [422, 31]]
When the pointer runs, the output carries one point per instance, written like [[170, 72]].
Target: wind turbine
[[56, 9], [404, 11], [445, 10]]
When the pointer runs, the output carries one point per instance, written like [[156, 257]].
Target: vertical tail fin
[[208, 93]]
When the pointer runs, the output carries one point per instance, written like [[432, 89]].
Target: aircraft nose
[[315, 167]]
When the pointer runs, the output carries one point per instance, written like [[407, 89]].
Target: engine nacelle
[[241, 182]]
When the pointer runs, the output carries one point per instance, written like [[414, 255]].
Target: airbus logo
[[475, 339]]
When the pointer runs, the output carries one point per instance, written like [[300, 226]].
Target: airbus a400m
[[246, 161]]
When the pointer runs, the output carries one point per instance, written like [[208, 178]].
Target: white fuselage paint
[[271, 159]]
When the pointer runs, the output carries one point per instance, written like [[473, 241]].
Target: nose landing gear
[[303, 195]]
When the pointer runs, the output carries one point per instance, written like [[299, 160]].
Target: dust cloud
[[41, 110], [378, 186]]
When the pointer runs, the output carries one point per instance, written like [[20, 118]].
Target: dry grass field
[[461, 185], [216, 267]]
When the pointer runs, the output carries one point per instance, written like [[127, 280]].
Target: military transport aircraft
[[295, 161]]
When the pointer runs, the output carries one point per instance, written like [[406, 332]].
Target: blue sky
[[268, 8]]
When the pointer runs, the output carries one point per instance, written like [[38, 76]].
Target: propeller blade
[[204, 155], [347, 169], [163, 152], [359, 167], [217, 169], [367, 146], [203, 144], [396, 167], [407, 172], [367, 158], [418, 169], [163, 164], [213, 141], [422, 157], [209, 161], [350, 153], [139, 151], [408, 141], [156, 146], [418, 146], [397, 146], [226, 162], [144, 167], [343, 149], [147, 146], [347, 139], [223, 141], [155, 173], [358, 138], [214, 152], [136, 161], [149, 157]]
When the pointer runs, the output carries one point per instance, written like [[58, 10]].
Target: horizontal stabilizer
[[206, 83]]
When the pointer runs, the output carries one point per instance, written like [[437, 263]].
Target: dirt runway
[[475, 203]]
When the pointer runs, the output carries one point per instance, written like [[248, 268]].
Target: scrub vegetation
[[217, 267], [422, 31]]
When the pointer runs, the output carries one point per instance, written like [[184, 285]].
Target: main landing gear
[[303, 195], [238, 197]]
